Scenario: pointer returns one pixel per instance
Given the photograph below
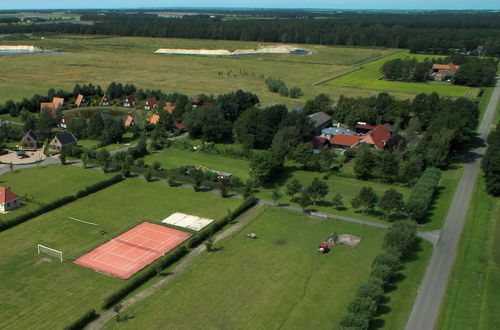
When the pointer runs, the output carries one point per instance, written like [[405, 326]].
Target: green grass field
[[369, 78], [45, 184], [276, 281], [50, 295], [347, 187], [103, 59], [472, 299], [173, 157]]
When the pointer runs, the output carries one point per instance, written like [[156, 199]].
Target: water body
[[26, 52]]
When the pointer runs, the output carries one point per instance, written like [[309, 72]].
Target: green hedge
[[362, 310], [145, 275], [59, 202], [85, 319], [176, 254], [421, 195]]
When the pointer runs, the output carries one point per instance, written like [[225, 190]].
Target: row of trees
[[473, 71], [491, 163], [406, 69], [398, 243], [418, 32]]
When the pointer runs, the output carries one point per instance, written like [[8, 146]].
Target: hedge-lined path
[[108, 315]]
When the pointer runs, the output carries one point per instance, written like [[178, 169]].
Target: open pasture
[[103, 59], [369, 77], [45, 184], [278, 280], [40, 292]]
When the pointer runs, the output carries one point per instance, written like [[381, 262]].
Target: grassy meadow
[[40, 292], [276, 281], [103, 59], [369, 77], [472, 299], [45, 184]]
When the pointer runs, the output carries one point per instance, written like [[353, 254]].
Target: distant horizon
[[348, 5]]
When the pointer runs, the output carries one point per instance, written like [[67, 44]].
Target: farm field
[[472, 299], [45, 184], [103, 59], [40, 292], [369, 78], [253, 283]]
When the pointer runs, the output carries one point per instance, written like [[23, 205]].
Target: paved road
[[427, 304]]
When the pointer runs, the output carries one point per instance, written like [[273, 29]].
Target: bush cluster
[[422, 193], [85, 319], [59, 202], [397, 242]]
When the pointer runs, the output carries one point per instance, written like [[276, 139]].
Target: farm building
[[443, 72], [60, 141], [320, 121], [329, 132], [29, 141], [8, 200]]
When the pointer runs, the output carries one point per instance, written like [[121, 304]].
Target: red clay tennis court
[[133, 250]]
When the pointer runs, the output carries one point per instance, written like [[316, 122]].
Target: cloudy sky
[[337, 4]]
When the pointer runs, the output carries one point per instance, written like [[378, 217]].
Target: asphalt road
[[427, 305]]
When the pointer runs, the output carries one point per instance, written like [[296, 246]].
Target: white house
[[8, 200]]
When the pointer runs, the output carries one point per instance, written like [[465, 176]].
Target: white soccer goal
[[50, 251]]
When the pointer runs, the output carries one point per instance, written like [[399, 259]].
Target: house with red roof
[[8, 200], [52, 107], [81, 101], [345, 141], [378, 137], [154, 119], [130, 121], [168, 107], [129, 101], [151, 103], [442, 72]]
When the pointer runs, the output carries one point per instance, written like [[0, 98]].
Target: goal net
[[51, 252]]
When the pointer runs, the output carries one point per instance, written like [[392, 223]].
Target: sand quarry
[[278, 49]]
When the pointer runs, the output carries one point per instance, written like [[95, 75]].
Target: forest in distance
[[440, 32]]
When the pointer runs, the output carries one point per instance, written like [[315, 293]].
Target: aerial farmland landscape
[[265, 166]]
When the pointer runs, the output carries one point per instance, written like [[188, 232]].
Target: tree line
[[438, 32], [473, 71], [491, 163]]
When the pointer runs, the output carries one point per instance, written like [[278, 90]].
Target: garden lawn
[[45, 184], [8, 117], [42, 294], [174, 157], [369, 77], [348, 188], [472, 299], [276, 281]]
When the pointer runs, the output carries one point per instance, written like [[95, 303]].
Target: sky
[[323, 4]]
